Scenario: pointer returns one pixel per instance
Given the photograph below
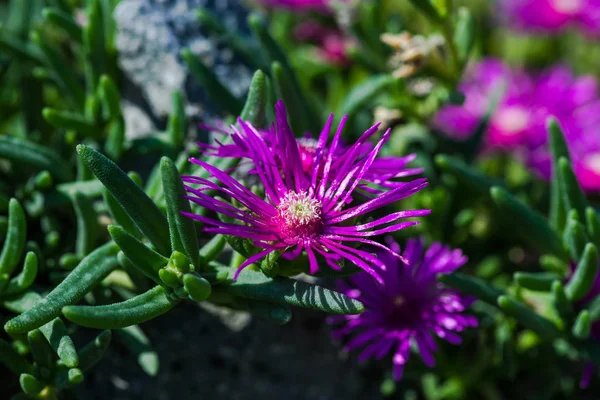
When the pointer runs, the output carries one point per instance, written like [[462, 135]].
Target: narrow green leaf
[[593, 225], [541, 282], [472, 286], [585, 274], [23, 302], [256, 102], [182, 229], [56, 334], [115, 142], [427, 8], [573, 195], [212, 249], [134, 201], [88, 273], [470, 176], [285, 91], [109, 93], [70, 121], [137, 342], [177, 127], [574, 236], [464, 33], [530, 225], [19, 49], [30, 385], [214, 89], [25, 278], [558, 148], [277, 54], [94, 351], [146, 260], [64, 21], [137, 310], [363, 93], [94, 46], [15, 238], [561, 303], [119, 216], [28, 153], [276, 313], [528, 317], [554, 264], [12, 360], [42, 353], [582, 326], [256, 286], [87, 225]]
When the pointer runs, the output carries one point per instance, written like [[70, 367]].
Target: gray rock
[[151, 35]]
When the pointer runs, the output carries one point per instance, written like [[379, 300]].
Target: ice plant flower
[[524, 104], [553, 15], [299, 213], [409, 307], [382, 173], [331, 43]]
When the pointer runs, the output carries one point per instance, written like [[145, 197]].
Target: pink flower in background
[[553, 15], [410, 307], [332, 43], [300, 4], [524, 104]]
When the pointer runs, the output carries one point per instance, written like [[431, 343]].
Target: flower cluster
[[409, 306], [521, 104], [309, 203], [553, 15]]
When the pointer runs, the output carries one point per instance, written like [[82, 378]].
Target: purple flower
[[553, 15], [315, 213], [380, 174], [409, 306], [525, 102], [331, 43]]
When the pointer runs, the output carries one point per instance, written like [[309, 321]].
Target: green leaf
[[177, 127], [286, 92], [196, 287], [361, 94], [42, 353], [64, 21], [92, 269], [541, 282], [256, 102], [528, 317], [94, 351], [23, 302], [464, 33], [561, 303], [56, 334], [70, 121], [28, 153], [582, 326], [472, 286], [585, 273], [136, 341], [25, 278], [593, 225], [13, 360], [87, 225], [574, 236], [554, 264], [181, 228], [19, 49], [30, 385], [212, 249], [276, 313], [109, 93], [428, 8], [136, 310], [214, 89], [277, 54], [115, 141], [146, 260], [470, 176], [94, 45], [530, 225], [15, 238], [241, 47], [573, 195], [118, 215], [558, 148], [134, 201], [256, 286]]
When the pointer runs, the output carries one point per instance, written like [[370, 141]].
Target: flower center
[[299, 214], [568, 6], [308, 149], [512, 120], [592, 161]]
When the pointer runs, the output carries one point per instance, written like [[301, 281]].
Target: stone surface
[[151, 35]]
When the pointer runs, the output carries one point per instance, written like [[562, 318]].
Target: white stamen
[[568, 6], [592, 161], [512, 120], [299, 209]]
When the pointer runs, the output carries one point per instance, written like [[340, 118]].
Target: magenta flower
[[525, 102], [331, 43], [409, 306], [553, 15], [381, 174], [315, 213]]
